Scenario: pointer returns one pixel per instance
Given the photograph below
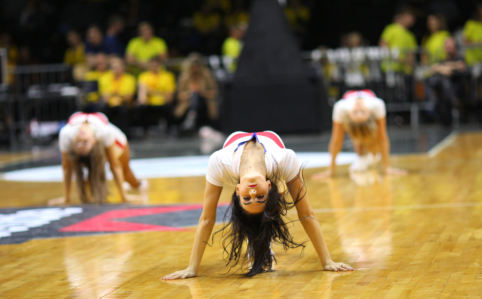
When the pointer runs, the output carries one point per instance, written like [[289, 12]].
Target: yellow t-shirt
[[144, 51], [123, 86], [75, 56], [232, 47], [435, 46], [163, 81], [206, 23], [94, 95], [473, 33], [398, 37]]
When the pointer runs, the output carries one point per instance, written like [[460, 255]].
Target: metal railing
[[48, 92], [401, 85]]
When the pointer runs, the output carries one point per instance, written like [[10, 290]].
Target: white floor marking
[[167, 167], [442, 144], [393, 208], [22, 221]]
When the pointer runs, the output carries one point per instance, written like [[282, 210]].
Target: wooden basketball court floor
[[417, 236]]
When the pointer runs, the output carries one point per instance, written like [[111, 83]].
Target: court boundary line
[[395, 208], [434, 151]]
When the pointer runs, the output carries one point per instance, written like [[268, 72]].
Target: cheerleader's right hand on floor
[[333, 266]]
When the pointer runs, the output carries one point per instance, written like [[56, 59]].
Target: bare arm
[[203, 232], [312, 227], [67, 170], [211, 89], [142, 94], [336, 143], [116, 168], [384, 142]]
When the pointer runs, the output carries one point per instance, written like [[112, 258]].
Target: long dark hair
[[259, 230], [96, 178]]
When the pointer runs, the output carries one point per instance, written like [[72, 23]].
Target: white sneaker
[[360, 164]]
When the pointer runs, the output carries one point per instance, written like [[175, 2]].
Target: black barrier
[[272, 88]]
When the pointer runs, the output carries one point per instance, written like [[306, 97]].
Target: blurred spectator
[[197, 105], [298, 16], [434, 43], [447, 8], [94, 44], [25, 56], [156, 92], [111, 41], [143, 48], [118, 89], [91, 83], [207, 24], [233, 45], [357, 70], [12, 53], [353, 40], [473, 37], [397, 35], [75, 53], [239, 15], [447, 81], [206, 21]]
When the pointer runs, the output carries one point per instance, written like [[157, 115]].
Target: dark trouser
[[120, 117], [93, 107], [198, 105], [151, 115], [446, 90]]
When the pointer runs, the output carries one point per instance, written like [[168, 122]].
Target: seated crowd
[[153, 96]]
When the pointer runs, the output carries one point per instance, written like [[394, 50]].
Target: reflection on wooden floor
[[418, 236]]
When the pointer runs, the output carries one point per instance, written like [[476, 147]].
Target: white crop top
[[223, 167], [103, 130], [375, 105]]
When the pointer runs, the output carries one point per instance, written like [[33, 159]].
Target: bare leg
[[128, 174]]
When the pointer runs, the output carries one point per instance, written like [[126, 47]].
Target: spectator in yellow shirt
[[118, 89], [91, 83], [156, 92], [239, 14], [206, 20], [12, 54], [298, 16], [473, 37], [207, 25], [434, 44], [141, 49], [397, 35], [75, 54], [233, 45]]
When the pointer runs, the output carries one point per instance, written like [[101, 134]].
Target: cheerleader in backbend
[[256, 164], [363, 116], [88, 141]]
